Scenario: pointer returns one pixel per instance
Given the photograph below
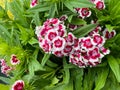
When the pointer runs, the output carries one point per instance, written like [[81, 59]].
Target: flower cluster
[[89, 51], [18, 85], [5, 69], [85, 51], [52, 36]]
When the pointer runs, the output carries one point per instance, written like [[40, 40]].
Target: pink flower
[[84, 12], [61, 27], [40, 39], [94, 54], [76, 44], [100, 4], [77, 9], [63, 17], [54, 21], [73, 60], [108, 34], [6, 69], [105, 51], [58, 53], [46, 46], [61, 30], [85, 56], [92, 64], [14, 60], [72, 27], [33, 3], [70, 38], [67, 50], [51, 35], [58, 43], [3, 62], [77, 61], [18, 85], [81, 64], [98, 40], [87, 43], [44, 30]]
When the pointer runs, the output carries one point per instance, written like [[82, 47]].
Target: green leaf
[[17, 10], [1, 12], [25, 34], [71, 4], [77, 78], [4, 87], [116, 9], [78, 21], [89, 78], [102, 76], [40, 8], [82, 31], [114, 65], [69, 86], [66, 76], [36, 19], [52, 10], [39, 83], [45, 58], [70, 18], [109, 27], [55, 81], [51, 64], [4, 30], [5, 79], [34, 65], [33, 41]]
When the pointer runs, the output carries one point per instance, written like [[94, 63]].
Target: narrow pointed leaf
[[82, 31], [45, 58], [102, 79], [114, 65]]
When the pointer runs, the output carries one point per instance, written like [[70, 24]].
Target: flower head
[[33, 3], [98, 40], [108, 34], [72, 27], [6, 69], [84, 12], [100, 4], [58, 43], [18, 85], [14, 60], [3, 62], [87, 43], [63, 17]]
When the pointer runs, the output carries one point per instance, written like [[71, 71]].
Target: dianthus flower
[[33, 3], [83, 12], [18, 85], [14, 60], [5, 69]]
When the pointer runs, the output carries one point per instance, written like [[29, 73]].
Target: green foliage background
[[42, 71]]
